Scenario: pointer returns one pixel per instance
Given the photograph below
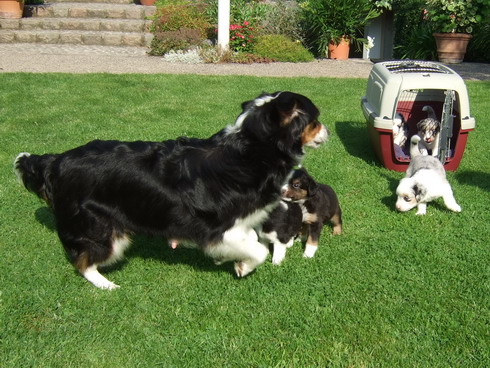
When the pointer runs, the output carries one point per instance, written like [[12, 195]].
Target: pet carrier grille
[[415, 67], [447, 122]]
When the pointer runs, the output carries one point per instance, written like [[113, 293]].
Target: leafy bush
[[479, 47], [252, 11], [418, 44], [181, 39], [407, 14], [332, 20], [178, 25], [281, 48], [284, 18]]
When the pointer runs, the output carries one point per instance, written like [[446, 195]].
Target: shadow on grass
[[475, 178], [356, 141], [389, 201], [148, 247]]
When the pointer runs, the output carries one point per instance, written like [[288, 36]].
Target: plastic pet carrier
[[396, 97]]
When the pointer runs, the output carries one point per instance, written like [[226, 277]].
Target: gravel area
[[38, 58]]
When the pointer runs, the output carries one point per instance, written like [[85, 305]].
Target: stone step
[[81, 24], [89, 10], [105, 38], [96, 1]]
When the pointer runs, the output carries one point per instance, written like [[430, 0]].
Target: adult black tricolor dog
[[209, 192]]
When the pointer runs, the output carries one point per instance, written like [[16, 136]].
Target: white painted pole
[[223, 24]]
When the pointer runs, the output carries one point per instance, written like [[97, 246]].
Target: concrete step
[[107, 23], [71, 24], [105, 38], [96, 1], [89, 10]]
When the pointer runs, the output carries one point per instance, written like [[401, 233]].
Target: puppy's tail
[[414, 146], [431, 114], [32, 171]]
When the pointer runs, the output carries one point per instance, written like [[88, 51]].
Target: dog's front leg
[[421, 209], [239, 244], [279, 253]]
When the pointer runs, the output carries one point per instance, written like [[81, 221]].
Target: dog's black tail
[[32, 171]]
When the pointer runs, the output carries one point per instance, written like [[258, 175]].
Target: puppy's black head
[[301, 187], [287, 119]]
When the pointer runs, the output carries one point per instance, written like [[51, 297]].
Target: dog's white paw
[[278, 258], [109, 286], [310, 250], [455, 208], [242, 269], [92, 275]]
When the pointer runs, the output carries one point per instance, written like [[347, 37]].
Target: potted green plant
[[336, 22], [452, 22]]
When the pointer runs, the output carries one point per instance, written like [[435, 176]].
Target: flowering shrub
[[455, 16], [242, 37]]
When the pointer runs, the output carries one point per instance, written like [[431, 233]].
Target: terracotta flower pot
[[451, 47], [339, 51], [11, 9], [147, 2]]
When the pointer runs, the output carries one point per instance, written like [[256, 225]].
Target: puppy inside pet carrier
[[400, 94]]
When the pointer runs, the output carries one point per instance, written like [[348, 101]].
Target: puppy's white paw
[[310, 250], [455, 208], [277, 259]]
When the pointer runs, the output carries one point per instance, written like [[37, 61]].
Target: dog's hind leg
[[95, 255], [336, 222], [90, 241], [450, 201], [239, 244]]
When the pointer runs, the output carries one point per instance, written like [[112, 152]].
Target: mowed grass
[[395, 290]]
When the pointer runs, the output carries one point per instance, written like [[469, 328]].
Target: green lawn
[[395, 290]]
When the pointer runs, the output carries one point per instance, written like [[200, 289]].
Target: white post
[[223, 24]]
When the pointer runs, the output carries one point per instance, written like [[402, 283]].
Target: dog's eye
[[296, 185], [407, 199]]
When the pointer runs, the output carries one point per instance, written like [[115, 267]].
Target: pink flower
[[246, 23]]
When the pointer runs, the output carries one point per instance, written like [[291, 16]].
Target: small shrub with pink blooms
[[242, 37]]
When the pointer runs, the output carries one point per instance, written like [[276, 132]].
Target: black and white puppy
[[310, 205], [280, 229], [428, 131], [424, 181], [211, 192]]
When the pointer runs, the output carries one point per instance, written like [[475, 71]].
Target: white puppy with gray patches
[[424, 181], [429, 131]]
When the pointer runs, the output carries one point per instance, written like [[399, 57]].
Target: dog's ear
[[291, 105], [311, 184], [420, 125], [419, 192]]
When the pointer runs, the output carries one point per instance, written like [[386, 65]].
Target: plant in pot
[[452, 22], [332, 23], [11, 9]]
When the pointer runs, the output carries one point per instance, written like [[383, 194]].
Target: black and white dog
[[210, 192], [306, 207], [424, 181]]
